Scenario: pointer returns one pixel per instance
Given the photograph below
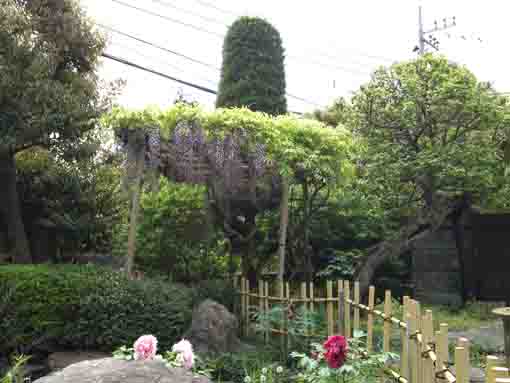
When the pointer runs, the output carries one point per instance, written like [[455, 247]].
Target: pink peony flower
[[185, 356], [145, 347], [336, 351]]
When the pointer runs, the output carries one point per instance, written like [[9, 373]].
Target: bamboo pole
[[305, 305], [404, 340], [329, 305], [243, 303], [341, 303], [266, 304], [247, 307], [499, 373], [370, 319], [347, 309], [312, 305], [282, 302], [387, 323], [356, 307], [442, 347], [287, 319], [492, 361], [461, 365], [417, 309], [428, 330], [413, 345], [262, 303]]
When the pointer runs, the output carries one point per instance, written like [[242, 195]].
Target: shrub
[[253, 73], [88, 307]]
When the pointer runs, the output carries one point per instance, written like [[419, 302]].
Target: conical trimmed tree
[[253, 73]]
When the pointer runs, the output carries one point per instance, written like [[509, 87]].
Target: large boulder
[[214, 329], [111, 370]]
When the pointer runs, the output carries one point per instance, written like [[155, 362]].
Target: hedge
[[86, 307]]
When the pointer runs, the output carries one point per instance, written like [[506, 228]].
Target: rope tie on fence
[[415, 335], [441, 374]]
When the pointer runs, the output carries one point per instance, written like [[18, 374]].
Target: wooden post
[[347, 309], [282, 326], [413, 344], [243, 302], [247, 307], [428, 330], [262, 303], [499, 373], [492, 361], [356, 308], [461, 365], [442, 347], [418, 328], [404, 340], [287, 319], [305, 304], [329, 305], [266, 304], [312, 307], [370, 319], [341, 303], [387, 322]]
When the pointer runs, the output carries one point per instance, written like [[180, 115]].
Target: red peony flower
[[336, 351]]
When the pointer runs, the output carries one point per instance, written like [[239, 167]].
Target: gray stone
[[476, 375], [213, 329], [111, 370], [60, 360], [489, 338]]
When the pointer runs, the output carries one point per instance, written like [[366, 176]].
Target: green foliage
[[357, 368], [292, 145], [15, 373], [89, 307], [253, 71], [174, 237], [49, 89], [430, 125]]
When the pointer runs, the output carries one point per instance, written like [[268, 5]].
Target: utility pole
[[431, 40]]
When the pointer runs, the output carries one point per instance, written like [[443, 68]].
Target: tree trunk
[[16, 229], [284, 221], [443, 205], [133, 216]]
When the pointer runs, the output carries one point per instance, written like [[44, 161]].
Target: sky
[[331, 46]]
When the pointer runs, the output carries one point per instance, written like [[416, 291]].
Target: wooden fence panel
[[424, 352]]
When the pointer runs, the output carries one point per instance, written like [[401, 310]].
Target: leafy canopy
[[430, 123], [290, 143], [253, 71], [48, 89]]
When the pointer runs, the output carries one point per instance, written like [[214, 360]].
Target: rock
[[60, 360], [111, 370], [476, 375], [213, 329], [488, 338]]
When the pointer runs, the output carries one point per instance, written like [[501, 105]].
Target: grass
[[473, 315]]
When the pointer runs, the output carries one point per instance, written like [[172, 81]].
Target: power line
[[190, 58], [192, 13], [221, 10], [132, 64], [164, 75], [163, 62], [188, 25], [219, 35]]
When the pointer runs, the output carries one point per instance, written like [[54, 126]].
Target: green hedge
[[87, 307]]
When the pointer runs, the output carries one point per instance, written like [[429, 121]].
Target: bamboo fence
[[423, 350]]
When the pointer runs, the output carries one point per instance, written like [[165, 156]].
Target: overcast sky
[[331, 46]]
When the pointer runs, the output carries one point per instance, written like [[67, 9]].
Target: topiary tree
[[253, 73]]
